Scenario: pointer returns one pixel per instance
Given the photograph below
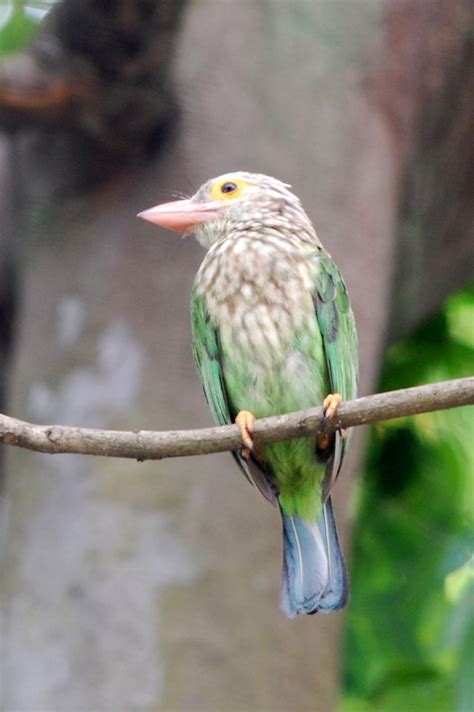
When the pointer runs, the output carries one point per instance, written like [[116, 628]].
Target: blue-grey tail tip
[[314, 575]]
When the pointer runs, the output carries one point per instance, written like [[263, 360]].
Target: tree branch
[[150, 445]]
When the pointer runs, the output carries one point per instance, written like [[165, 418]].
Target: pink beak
[[181, 215]]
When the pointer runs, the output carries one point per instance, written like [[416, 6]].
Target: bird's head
[[234, 202]]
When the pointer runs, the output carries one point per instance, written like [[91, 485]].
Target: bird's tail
[[314, 576]]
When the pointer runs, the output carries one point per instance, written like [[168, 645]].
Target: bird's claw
[[330, 406], [245, 420]]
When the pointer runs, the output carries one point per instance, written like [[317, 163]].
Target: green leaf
[[16, 27]]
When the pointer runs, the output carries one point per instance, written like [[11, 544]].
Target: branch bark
[[151, 445]]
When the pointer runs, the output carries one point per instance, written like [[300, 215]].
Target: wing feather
[[337, 325], [208, 356]]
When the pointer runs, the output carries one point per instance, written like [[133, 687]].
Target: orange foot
[[330, 405], [245, 420]]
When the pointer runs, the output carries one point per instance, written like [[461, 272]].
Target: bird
[[274, 332]]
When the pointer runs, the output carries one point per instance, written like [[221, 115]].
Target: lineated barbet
[[273, 332]]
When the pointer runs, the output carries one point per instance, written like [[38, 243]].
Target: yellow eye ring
[[228, 189]]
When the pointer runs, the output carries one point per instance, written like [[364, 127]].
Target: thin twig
[[150, 445]]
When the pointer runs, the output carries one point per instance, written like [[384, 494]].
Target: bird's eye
[[228, 187]]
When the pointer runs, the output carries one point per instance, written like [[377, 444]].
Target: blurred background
[[154, 586]]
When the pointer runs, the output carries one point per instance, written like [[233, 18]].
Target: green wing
[[206, 350], [208, 357], [337, 326]]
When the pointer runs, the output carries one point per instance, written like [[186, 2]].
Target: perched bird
[[273, 332]]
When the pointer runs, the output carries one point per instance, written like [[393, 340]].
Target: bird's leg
[[245, 420], [330, 406]]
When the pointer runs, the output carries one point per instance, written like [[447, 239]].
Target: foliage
[[410, 630], [18, 21]]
